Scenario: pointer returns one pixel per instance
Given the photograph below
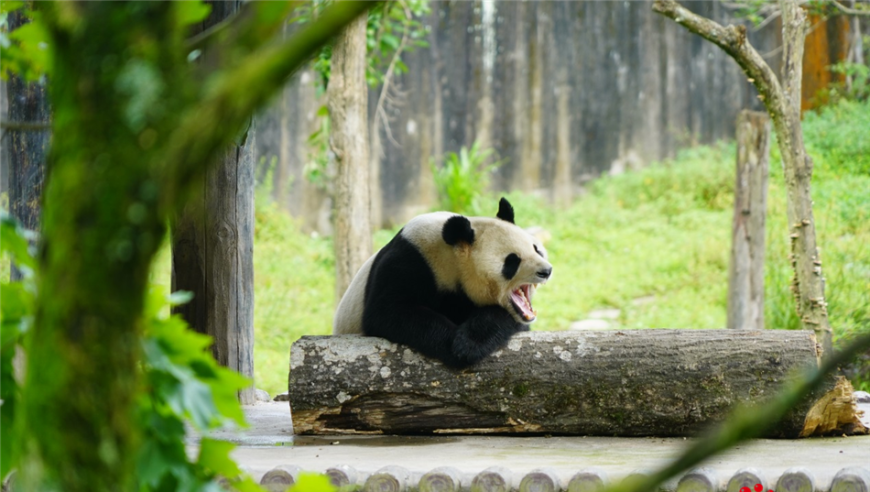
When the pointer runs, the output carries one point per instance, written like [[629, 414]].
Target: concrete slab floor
[[269, 443]]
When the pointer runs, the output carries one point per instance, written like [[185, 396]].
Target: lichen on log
[[610, 383]]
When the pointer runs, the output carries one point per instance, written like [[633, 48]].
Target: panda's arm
[[432, 334], [487, 329], [400, 305]]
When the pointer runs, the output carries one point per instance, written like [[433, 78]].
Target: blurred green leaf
[[312, 482], [7, 6], [15, 313], [14, 240], [191, 11], [214, 456], [26, 51], [9, 395]]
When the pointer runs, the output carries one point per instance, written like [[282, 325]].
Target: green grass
[[653, 243]]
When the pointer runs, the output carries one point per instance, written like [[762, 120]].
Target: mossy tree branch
[[850, 11], [225, 110], [246, 30], [782, 100], [134, 126]]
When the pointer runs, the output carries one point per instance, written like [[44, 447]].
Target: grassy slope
[[660, 235], [653, 244]]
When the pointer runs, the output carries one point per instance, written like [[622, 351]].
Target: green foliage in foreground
[[182, 384], [653, 244]]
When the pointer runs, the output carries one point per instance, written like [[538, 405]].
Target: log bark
[[782, 101], [213, 251], [347, 100], [619, 383], [746, 270]]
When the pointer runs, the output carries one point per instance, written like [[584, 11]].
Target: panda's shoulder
[[425, 230]]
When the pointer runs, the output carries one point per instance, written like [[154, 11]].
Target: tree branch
[[850, 11], [783, 102], [380, 114], [732, 40], [225, 110], [245, 30]]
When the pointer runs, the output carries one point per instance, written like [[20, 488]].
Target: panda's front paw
[[466, 351], [486, 331]]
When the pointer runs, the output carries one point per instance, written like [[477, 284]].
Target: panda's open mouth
[[522, 302]]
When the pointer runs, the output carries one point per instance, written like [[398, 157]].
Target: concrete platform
[[269, 443]]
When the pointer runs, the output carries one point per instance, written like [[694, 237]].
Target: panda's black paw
[[467, 352], [482, 334]]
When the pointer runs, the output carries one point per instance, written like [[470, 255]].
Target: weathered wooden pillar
[[213, 252], [746, 270], [347, 100], [28, 105]]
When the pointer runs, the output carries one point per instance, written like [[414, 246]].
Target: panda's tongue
[[521, 301]]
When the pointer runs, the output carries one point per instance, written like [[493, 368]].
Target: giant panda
[[452, 287]]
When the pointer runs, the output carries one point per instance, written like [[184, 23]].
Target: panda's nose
[[545, 273]]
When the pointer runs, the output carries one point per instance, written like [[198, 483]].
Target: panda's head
[[498, 262]]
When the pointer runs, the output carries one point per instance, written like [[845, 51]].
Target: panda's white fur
[[441, 298]]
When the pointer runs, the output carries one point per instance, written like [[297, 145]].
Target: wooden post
[[213, 252], [28, 103], [347, 100], [746, 271]]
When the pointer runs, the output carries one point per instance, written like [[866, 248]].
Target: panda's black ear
[[505, 210], [457, 230]]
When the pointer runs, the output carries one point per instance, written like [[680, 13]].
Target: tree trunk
[[783, 103], [76, 417], [808, 284], [746, 270], [28, 103], [610, 383], [347, 96], [121, 163], [213, 251]]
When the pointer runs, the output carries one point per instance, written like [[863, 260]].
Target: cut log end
[[836, 412]]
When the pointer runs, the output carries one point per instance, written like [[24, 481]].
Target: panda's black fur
[[404, 303]]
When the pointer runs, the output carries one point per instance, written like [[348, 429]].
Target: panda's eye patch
[[538, 251], [511, 265]]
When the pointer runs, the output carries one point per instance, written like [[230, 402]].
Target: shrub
[[463, 178]]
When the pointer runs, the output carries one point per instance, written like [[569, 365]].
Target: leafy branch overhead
[[762, 12], [391, 28]]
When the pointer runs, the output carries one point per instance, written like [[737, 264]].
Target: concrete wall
[[563, 90]]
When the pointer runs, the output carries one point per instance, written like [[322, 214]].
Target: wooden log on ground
[[610, 383]]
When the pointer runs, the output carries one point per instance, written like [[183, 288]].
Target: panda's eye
[[511, 265], [538, 251]]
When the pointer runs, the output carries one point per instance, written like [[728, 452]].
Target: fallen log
[[608, 383]]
